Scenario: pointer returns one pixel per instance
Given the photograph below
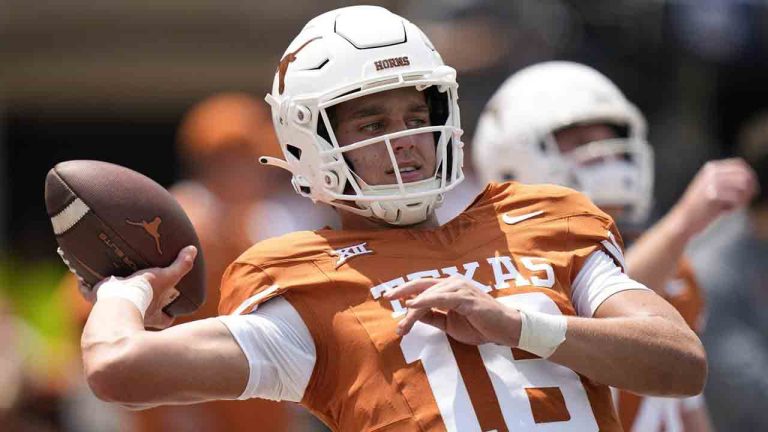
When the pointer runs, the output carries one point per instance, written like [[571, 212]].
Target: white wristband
[[541, 333], [135, 289]]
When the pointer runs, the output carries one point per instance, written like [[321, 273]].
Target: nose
[[406, 142], [403, 143]]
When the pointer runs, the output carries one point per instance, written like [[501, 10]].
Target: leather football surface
[[113, 221]]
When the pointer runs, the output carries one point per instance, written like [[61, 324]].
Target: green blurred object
[[31, 289]]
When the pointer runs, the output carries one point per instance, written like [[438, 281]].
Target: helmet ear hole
[[295, 151]]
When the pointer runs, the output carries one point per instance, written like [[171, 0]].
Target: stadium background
[[110, 80]]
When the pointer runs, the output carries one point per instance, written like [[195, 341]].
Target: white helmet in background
[[515, 137], [345, 54]]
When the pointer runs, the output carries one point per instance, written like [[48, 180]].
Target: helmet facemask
[[401, 202], [616, 174]]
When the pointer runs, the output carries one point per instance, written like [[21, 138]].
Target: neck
[[352, 221]]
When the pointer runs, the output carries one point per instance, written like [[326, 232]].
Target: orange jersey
[[522, 244], [659, 414], [685, 294]]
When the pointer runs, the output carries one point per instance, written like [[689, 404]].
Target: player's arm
[[188, 363], [634, 339], [720, 186], [638, 342]]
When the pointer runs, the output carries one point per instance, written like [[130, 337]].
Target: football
[[112, 221]]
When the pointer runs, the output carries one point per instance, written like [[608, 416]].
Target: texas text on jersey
[[368, 378]]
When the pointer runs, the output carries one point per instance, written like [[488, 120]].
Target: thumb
[[180, 266]]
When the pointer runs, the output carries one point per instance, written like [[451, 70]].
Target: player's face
[[383, 113], [572, 137]]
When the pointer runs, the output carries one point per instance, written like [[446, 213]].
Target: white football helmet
[[515, 137], [345, 54]]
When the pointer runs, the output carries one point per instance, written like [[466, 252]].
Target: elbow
[[108, 369], [103, 382], [698, 370], [689, 376]]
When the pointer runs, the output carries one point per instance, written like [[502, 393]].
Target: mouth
[[408, 172]]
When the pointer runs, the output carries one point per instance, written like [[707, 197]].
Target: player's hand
[[719, 187], [460, 309], [163, 281]]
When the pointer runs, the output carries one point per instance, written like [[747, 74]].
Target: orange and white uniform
[[656, 414], [309, 312]]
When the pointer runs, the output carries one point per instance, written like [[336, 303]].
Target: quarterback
[[567, 124], [515, 315]]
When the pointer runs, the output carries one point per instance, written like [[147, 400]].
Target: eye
[[416, 123], [372, 127]]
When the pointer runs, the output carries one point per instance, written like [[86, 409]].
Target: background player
[[730, 259], [565, 123], [313, 315]]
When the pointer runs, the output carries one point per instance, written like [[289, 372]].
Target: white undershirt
[[281, 352]]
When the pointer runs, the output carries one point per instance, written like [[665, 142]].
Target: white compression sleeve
[[598, 279], [279, 349]]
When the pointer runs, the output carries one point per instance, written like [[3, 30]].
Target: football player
[[566, 123], [516, 315]]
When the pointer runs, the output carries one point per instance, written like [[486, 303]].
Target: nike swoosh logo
[[511, 220]]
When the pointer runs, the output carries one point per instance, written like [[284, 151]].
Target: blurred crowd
[[694, 67]]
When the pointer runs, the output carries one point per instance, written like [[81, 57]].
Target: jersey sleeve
[[598, 268], [590, 232], [244, 286]]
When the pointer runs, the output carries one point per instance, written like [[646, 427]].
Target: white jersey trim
[[612, 246], [250, 301]]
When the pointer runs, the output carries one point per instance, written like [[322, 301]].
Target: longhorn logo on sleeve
[[152, 228]]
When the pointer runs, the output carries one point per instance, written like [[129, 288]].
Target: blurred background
[[115, 80]]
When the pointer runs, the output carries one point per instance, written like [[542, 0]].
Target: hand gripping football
[[112, 221]]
